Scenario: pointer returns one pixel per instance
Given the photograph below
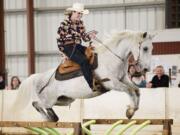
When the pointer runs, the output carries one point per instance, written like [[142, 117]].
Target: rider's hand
[[92, 35]]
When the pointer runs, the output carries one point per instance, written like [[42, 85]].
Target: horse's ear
[[144, 34], [151, 36]]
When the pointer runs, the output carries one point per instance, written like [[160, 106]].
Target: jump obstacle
[[46, 128], [129, 123]]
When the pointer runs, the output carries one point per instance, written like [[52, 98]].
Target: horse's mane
[[116, 37]]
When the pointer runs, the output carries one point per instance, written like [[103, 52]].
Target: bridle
[[138, 58]]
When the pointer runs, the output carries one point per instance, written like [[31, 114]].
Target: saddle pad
[[67, 76], [76, 73]]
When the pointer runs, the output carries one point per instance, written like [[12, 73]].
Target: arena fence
[[129, 123]]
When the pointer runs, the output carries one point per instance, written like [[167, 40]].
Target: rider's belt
[[69, 43]]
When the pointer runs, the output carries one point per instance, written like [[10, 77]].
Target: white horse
[[112, 63]]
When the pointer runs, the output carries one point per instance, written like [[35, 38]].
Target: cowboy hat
[[79, 7]]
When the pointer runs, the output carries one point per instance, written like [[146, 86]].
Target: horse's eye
[[145, 49]]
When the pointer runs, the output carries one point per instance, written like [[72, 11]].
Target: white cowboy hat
[[79, 7]]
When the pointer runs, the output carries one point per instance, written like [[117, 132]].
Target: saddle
[[69, 66]]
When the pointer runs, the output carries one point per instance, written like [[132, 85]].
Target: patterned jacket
[[71, 32]]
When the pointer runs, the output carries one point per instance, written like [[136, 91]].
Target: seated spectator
[[160, 79], [15, 82], [131, 71], [139, 79], [2, 82], [135, 76]]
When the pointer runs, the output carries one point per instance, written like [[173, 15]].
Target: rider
[[71, 33]]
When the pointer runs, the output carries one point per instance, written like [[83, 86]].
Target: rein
[[98, 40]]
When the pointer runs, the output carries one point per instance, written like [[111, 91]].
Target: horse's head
[[138, 44], [142, 50]]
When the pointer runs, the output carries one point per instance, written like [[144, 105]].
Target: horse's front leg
[[128, 82], [134, 98], [133, 92]]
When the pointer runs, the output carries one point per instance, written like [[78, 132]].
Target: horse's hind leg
[[39, 109], [52, 115], [49, 114]]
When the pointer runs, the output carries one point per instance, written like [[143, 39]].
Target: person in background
[[160, 79], [2, 82], [136, 76], [15, 83], [131, 71], [139, 79]]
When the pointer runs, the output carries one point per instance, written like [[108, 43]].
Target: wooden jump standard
[[165, 122], [75, 125]]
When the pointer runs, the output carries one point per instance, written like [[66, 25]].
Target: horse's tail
[[25, 93]]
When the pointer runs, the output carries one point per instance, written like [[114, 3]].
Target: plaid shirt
[[72, 32]]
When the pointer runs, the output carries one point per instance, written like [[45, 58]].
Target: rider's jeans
[[76, 53]]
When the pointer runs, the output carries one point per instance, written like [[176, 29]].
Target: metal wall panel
[[15, 31], [46, 31], [160, 18], [14, 4], [131, 1], [133, 19], [149, 19], [18, 4], [52, 3], [17, 66], [143, 19], [43, 63]]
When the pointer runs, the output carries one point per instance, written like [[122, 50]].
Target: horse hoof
[[52, 115], [57, 119], [130, 113], [54, 119]]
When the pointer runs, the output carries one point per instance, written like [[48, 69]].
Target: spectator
[[15, 82], [131, 71], [139, 79], [160, 79], [2, 82]]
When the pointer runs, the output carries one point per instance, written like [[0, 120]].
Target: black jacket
[[2, 85], [162, 82]]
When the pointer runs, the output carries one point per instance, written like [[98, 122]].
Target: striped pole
[[126, 127], [141, 126], [108, 132]]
